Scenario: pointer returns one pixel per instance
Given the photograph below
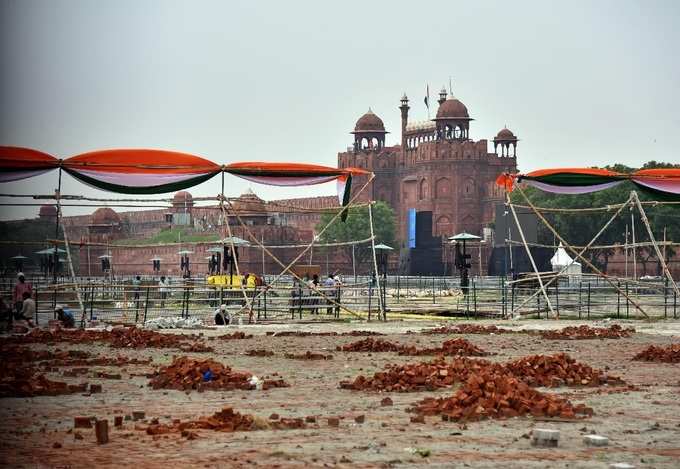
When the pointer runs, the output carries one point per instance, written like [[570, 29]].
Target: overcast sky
[[580, 82]]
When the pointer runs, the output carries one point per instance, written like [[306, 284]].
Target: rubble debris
[[237, 335], [449, 347], [653, 353], [174, 323], [469, 329], [226, 420], [371, 345], [584, 332], [497, 395], [82, 422], [18, 381], [333, 422], [308, 356], [138, 415], [118, 421], [322, 334], [557, 370], [259, 353], [386, 402], [422, 376], [95, 388], [186, 373]]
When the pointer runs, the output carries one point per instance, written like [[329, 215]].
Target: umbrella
[[236, 241], [49, 251], [19, 257], [464, 237], [383, 247], [185, 252], [215, 249], [105, 256], [156, 259]]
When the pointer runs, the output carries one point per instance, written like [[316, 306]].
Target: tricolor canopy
[[662, 182], [143, 171]]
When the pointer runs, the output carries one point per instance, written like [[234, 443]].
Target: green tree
[[578, 228], [357, 227]]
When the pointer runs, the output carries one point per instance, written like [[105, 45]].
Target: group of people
[[23, 309], [306, 293]]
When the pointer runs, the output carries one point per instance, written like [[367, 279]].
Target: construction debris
[[226, 420], [653, 353], [371, 345], [545, 437], [586, 332], [449, 348], [174, 323], [322, 334], [259, 353], [308, 356], [557, 370], [492, 394], [417, 376], [469, 329], [186, 373], [237, 335]]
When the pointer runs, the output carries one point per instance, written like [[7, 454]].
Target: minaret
[[442, 96], [404, 120]]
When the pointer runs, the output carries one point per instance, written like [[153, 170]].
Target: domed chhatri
[[183, 198], [105, 216], [452, 108], [506, 142], [505, 134], [369, 133], [369, 122]]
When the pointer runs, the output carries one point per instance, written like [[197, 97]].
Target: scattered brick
[[138, 415], [495, 395], [101, 428], [82, 422], [56, 445], [259, 353], [118, 421], [360, 418], [421, 376], [322, 334], [237, 335], [386, 401], [653, 353], [226, 420], [308, 356], [418, 419], [449, 347], [371, 345], [333, 422], [557, 370], [95, 388], [468, 329], [586, 332], [186, 373], [274, 416]]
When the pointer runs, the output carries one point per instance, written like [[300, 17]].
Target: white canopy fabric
[[561, 258]]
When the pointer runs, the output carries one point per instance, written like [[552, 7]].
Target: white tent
[[561, 260]]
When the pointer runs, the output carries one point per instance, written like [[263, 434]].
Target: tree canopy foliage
[[578, 228], [357, 227]]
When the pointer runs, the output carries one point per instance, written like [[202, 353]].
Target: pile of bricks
[[450, 347], [586, 332], [226, 420], [667, 354], [468, 329], [186, 373], [79, 336], [495, 395], [557, 370], [371, 345], [308, 356], [322, 334], [96, 361], [17, 381], [259, 353], [418, 376], [133, 337], [238, 335]]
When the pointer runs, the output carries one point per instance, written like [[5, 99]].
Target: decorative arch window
[[424, 190], [469, 187], [443, 187], [442, 226]]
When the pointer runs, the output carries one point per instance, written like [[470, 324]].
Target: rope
[[584, 249], [286, 268], [643, 215], [531, 258], [586, 261], [375, 266], [606, 246]]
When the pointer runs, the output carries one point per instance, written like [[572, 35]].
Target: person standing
[[163, 284], [136, 286], [21, 287], [28, 310]]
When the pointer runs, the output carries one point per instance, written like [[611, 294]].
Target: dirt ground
[[643, 426]]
